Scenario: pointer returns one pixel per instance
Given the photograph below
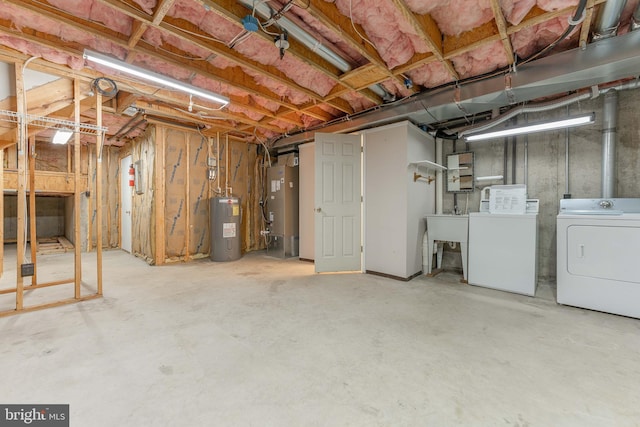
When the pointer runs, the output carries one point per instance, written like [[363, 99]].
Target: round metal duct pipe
[[609, 138], [608, 19]]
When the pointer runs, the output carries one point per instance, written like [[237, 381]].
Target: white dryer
[[598, 244]]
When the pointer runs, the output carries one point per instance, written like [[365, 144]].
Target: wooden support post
[[68, 158], [21, 109], [89, 204], [109, 230], [187, 201], [160, 192], [1, 211], [99, 148], [77, 192], [32, 206]]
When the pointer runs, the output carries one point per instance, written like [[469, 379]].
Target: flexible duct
[[609, 137]]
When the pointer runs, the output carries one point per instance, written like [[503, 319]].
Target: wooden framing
[[1, 212], [159, 199], [32, 207], [99, 147], [19, 68], [76, 196], [25, 176]]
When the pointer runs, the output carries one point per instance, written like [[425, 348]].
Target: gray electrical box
[[225, 222], [282, 210]]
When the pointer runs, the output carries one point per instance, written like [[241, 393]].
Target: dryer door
[[604, 252]]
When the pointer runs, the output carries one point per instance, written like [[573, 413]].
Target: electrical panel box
[[282, 208]]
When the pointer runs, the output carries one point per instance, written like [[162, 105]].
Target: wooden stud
[[159, 196], [32, 207], [89, 205], [21, 184], [38, 286], [187, 202], [50, 305], [1, 212], [99, 148], [77, 193]]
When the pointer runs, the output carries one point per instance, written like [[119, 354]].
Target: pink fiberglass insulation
[[158, 38], [454, 16], [254, 47], [160, 66], [530, 40], [93, 10], [247, 112], [309, 121], [329, 109], [357, 101], [481, 60], [384, 25], [147, 5], [285, 126], [397, 88], [73, 62], [266, 53], [22, 18], [220, 29], [551, 5], [515, 10], [291, 95], [430, 75]]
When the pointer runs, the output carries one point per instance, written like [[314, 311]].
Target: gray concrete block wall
[[49, 217], [546, 168]]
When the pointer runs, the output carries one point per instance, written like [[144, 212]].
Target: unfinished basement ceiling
[[345, 57]]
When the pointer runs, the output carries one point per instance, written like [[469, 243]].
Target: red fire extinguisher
[[132, 174]]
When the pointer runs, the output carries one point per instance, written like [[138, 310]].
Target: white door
[[337, 203], [125, 204]]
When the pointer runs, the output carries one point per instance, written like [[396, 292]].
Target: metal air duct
[[609, 139], [608, 19]]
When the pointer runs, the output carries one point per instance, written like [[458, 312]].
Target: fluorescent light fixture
[[62, 136], [164, 81], [536, 127]]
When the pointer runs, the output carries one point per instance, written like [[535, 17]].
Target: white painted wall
[[395, 205], [31, 79]]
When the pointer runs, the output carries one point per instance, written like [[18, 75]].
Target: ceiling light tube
[[164, 81], [62, 136], [536, 127]]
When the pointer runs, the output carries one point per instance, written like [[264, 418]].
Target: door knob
[[127, 212], [318, 210]]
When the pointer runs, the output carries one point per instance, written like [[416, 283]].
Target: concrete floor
[[266, 342]]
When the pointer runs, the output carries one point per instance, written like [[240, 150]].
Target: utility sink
[[448, 228]]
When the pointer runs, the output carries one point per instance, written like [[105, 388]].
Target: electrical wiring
[[574, 21], [354, 26]]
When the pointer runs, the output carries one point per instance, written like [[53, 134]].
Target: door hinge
[[361, 249]]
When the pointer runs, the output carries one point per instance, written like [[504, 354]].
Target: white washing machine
[[599, 255], [503, 251]]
